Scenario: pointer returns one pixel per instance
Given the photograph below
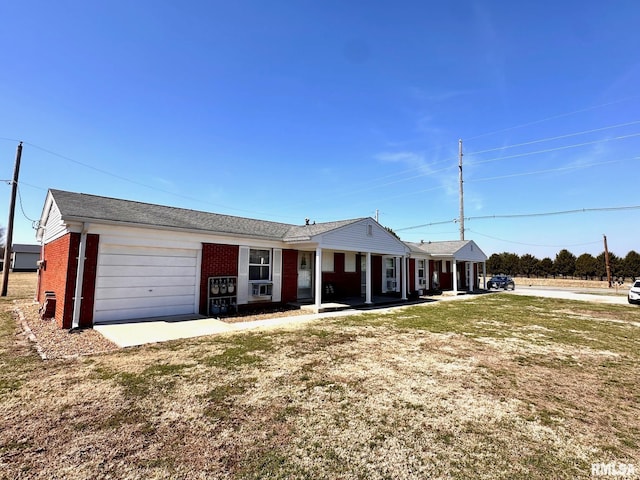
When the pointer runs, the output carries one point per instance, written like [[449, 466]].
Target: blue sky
[[283, 110]]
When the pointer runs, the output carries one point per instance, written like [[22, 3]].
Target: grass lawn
[[494, 386]]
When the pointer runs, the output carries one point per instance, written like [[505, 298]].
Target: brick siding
[[217, 260], [59, 277], [289, 276]]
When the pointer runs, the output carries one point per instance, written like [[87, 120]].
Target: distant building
[[24, 258]]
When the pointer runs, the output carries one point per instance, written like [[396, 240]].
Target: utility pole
[[606, 260], [461, 190], [9, 237], [377, 215]]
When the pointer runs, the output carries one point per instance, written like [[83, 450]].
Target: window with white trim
[[350, 262], [328, 262], [390, 274], [422, 272], [259, 264]]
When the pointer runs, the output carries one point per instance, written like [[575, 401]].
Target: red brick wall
[[376, 274], [347, 284], [59, 277], [53, 277], [89, 280], [289, 276], [217, 260], [411, 281]]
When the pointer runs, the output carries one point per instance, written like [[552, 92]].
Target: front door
[[305, 275]]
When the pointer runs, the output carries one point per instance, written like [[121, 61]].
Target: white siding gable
[[363, 236], [470, 253], [53, 226]]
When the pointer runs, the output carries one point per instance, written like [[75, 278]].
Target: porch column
[[455, 276], [318, 279], [427, 274], [405, 276], [484, 275], [470, 281], [367, 298]]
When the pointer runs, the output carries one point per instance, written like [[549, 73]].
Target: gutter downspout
[[77, 299]]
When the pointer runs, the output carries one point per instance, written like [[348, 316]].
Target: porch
[[358, 303]]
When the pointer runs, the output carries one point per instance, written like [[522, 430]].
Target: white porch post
[[405, 276], [367, 298], [427, 274], [455, 276], [484, 275], [318, 279], [469, 273]]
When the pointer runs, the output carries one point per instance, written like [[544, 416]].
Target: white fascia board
[[111, 232]]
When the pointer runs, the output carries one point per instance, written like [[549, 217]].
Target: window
[[369, 230], [328, 264], [390, 274], [422, 281], [259, 264], [350, 262]]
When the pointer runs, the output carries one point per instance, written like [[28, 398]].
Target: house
[[107, 260], [141, 260], [24, 258], [450, 265]]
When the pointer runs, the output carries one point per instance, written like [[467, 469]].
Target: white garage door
[[139, 282]]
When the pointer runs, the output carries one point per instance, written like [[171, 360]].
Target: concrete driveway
[[162, 329], [598, 295]]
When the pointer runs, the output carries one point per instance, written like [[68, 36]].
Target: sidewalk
[[162, 329]]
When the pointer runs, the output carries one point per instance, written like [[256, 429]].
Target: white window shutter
[[276, 293], [243, 276]]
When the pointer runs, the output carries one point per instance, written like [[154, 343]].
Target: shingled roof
[[438, 248], [93, 208]]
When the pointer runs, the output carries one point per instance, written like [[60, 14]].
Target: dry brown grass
[[496, 386]]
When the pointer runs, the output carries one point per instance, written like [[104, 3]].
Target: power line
[[22, 207], [526, 215], [548, 139], [553, 117], [550, 170], [562, 212], [134, 182], [480, 162], [532, 244], [549, 150]]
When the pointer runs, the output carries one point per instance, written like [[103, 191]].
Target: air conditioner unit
[[261, 290]]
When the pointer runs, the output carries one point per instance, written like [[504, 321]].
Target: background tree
[[529, 265], [632, 264], [510, 263], [602, 270], [565, 263], [586, 266], [504, 262], [494, 264], [617, 265], [390, 230], [546, 267]]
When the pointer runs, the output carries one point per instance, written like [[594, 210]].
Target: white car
[[634, 293]]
